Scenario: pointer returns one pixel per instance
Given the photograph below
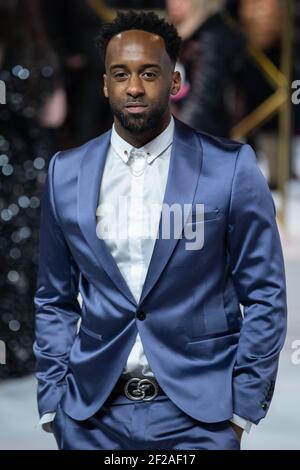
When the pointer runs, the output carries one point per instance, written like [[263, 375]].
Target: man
[[163, 357]]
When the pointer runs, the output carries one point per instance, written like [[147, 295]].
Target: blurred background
[[240, 62]]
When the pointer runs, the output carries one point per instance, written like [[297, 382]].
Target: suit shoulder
[[65, 165], [213, 147], [76, 153], [218, 149], [221, 143]]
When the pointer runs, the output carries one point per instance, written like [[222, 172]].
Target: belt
[[138, 389]]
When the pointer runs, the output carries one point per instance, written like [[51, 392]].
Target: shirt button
[[141, 315]]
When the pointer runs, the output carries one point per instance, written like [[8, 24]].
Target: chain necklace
[[137, 162]]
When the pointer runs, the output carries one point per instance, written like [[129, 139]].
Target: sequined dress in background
[[25, 149]]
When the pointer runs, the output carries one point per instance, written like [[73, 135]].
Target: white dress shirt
[[134, 183], [142, 194]]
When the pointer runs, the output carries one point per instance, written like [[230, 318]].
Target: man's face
[[139, 80]]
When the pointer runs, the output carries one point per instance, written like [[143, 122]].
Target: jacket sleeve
[[257, 267], [57, 306]]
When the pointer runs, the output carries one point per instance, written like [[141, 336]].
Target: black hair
[[144, 21]]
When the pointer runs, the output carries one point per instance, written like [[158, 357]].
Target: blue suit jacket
[[210, 360]]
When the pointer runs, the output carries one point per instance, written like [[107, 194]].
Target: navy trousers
[[123, 424]]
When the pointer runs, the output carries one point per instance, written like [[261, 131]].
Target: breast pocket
[[198, 216], [192, 245]]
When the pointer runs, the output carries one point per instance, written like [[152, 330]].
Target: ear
[[105, 90], [176, 83]]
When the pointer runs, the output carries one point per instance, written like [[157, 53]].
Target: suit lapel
[[184, 171], [89, 181]]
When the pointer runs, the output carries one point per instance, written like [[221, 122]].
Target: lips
[[135, 107]]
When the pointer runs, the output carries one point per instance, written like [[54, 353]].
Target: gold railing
[[278, 103]]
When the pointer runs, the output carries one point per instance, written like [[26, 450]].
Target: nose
[[135, 86]]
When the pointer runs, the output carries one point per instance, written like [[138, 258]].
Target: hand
[[238, 430]]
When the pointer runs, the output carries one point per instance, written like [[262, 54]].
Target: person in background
[[261, 21], [72, 27], [212, 52], [35, 108]]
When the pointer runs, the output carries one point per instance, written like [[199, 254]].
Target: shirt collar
[[152, 149]]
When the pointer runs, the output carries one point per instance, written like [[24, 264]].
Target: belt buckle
[[136, 389]]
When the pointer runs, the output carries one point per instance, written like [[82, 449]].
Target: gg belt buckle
[[135, 389]]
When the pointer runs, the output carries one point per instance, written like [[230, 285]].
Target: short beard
[[139, 124]]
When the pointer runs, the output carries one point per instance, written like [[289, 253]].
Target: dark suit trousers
[[122, 424]]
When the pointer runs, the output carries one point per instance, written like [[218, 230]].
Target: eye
[[120, 76], [149, 75]]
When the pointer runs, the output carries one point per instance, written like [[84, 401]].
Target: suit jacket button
[[141, 315]]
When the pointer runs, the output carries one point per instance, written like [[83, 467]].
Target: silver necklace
[[137, 162]]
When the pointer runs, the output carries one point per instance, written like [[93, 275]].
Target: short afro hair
[[149, 22]]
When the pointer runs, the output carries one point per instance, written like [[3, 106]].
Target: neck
[[138, 140]]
